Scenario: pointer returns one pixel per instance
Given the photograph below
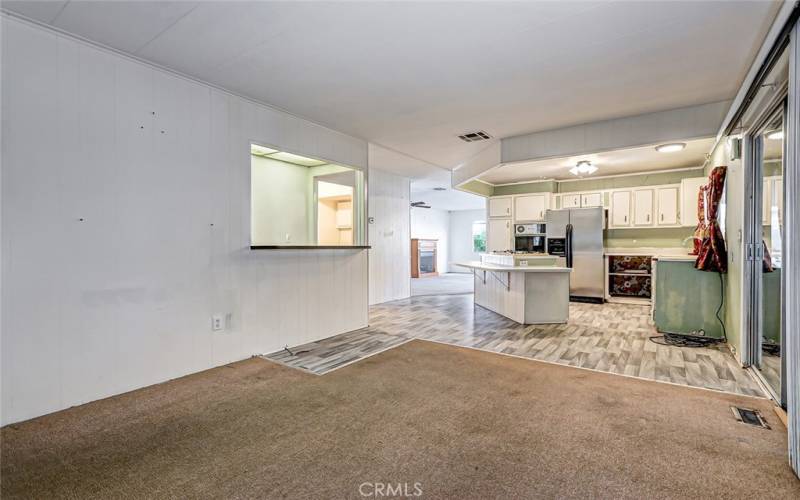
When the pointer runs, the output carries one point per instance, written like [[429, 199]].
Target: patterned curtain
[[712, 255], [701, 229]]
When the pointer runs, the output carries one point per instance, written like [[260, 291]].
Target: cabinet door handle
[[648, 217], [624, 218], [662, 217]]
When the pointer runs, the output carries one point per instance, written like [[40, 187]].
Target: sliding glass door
[[765, 251]]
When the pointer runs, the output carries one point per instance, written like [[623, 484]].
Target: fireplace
[[423, 258]]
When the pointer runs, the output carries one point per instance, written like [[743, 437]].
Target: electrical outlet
[[217, 322]]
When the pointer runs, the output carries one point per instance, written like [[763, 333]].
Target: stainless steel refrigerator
[[577, 235]]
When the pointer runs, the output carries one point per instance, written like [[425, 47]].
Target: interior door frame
[[753, 292]]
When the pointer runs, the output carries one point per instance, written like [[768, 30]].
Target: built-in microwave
[[530, 238], [530, 229]]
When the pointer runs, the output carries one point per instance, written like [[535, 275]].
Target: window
[[479, 236], [301, 201]]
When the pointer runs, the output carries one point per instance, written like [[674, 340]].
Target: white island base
[[527, 295]]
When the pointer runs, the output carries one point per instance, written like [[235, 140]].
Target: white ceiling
[[450, 199], [413, 75], [623, 161]]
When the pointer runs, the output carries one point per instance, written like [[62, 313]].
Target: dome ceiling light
[[584, 167]]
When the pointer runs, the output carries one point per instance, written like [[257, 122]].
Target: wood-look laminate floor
[[610, 338]]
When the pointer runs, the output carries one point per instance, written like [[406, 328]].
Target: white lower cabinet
[[643, 207], [499, 237]]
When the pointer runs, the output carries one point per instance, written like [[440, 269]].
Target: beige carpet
[[462, 423]]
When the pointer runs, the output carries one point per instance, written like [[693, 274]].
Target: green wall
[[530, 187], [686, 299], [734, 221], [278, 188], [477, 187]]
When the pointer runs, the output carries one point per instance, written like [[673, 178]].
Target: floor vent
[[748, 416], [480, 135]]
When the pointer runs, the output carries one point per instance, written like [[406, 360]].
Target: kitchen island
[[525, 294]]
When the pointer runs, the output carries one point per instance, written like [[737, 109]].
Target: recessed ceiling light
[[671, 147], [775, 134], [583, 167]]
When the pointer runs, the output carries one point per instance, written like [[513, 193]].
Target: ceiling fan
[[420, 204]]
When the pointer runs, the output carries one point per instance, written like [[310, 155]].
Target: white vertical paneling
[[389, 258], [30, 201], [158, 169]]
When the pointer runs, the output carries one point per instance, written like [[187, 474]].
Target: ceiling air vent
[[480, 135]]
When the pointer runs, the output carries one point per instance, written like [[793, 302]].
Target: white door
[[499, 238], [643, 207], [530, 207], [592, 200], [570, 201], [499, 207], [621, 208], [667, 206]]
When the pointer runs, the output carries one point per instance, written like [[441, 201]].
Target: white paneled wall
[[389, 258], [125, 217]]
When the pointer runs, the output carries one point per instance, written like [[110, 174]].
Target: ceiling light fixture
[[672, 147], [583, 167], [439, 189], [775, 135]]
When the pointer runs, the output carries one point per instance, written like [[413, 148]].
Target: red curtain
[[712, 255], [700, 230]]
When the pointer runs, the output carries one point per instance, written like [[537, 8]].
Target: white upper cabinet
[[531, 207], [777, 197], [592, 200], [570, 201], [500, 207], [620, 208], [499, 237], [690, 189], [643, 207], [667, 206]]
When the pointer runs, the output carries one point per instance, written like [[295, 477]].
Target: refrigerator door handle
[[568, 245]]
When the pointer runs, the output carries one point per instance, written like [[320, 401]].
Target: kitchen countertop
[[523, 255], [525, 269], [673, 253], [677, 258]]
